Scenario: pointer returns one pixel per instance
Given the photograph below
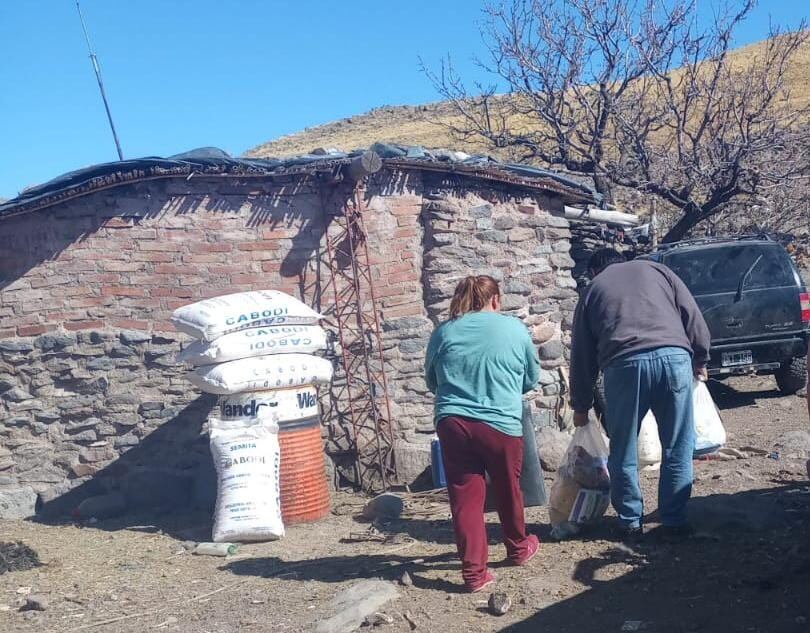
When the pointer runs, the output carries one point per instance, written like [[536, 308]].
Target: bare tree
[[636, 93], [781, 211]]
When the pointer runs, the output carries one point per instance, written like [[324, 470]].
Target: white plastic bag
[[649, 444], [709, 431], [261, 341], [581, 490], [287, 405], [262, 373], [247, 459], [212, 318]]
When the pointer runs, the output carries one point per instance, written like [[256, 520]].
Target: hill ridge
[[422, 124]]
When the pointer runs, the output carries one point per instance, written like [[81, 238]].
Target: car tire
[[792, 375]]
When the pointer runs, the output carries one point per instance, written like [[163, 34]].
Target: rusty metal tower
[[360, 395]]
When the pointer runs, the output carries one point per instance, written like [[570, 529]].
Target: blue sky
[[182, 74]]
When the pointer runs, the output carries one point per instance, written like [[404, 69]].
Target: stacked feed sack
[[256, 351]]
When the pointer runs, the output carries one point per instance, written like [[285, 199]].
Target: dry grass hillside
[[426, 125], [410, 125]]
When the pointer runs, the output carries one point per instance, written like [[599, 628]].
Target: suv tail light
[[804, 298]]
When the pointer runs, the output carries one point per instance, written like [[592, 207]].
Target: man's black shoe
[[630, 534], [676, 533]]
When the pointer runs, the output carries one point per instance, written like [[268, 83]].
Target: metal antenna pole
[[97, 69]]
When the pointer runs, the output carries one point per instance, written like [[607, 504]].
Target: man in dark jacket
[[640, 325]]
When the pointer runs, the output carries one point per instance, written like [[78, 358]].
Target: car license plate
[[734, 359]]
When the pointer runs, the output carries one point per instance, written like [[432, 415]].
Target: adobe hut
[[93, 263]]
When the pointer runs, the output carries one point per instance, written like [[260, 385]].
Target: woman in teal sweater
[[479, 364]]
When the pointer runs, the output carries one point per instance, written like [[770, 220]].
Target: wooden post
[[361, 166]]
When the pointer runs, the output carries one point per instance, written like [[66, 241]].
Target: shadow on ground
[[748, 569], [343, 568], [727, 396], [166, 483]]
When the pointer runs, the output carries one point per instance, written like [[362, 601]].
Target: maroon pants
[[469, 448]]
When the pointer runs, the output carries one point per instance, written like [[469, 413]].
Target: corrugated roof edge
[[213, 161]]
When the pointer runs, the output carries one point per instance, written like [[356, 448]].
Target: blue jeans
[[661, 380]]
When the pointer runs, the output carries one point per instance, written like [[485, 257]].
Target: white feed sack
[[261, 373], [211, 318], [247, 459], [287, 405], [280, 339]]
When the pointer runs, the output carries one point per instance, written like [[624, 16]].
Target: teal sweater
[[479, 365]]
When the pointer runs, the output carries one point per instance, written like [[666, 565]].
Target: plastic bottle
[[215, 549], [437, 465]]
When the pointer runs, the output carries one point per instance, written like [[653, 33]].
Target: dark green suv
[[754, 301]]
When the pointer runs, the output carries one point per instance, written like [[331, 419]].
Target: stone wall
[[589, 237], [463, 228], [526, 248], [92, 398], [90, 395], [101, 410]]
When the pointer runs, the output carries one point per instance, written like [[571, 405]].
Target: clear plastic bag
[[581, 490]]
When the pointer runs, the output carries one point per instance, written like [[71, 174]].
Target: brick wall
[[76, 268], [92, 397], [89, 390]]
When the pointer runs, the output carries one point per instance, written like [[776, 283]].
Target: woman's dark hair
[[603, 258], [472, 294]]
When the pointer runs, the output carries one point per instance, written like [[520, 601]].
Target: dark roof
[[213, 161]]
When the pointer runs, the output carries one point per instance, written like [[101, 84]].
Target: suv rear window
[[720, 268]]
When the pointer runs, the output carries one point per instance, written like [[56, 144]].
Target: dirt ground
[[748, 570]]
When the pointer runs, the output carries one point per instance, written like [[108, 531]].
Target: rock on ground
[[17, 557], [17, 503], [499, 603], [378, 619], [384, 506], [551, 446], [102, 506], [35, 603], [412, 459], [794, 444], [353, 605]]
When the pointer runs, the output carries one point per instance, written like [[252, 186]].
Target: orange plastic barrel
[[304, 491]]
